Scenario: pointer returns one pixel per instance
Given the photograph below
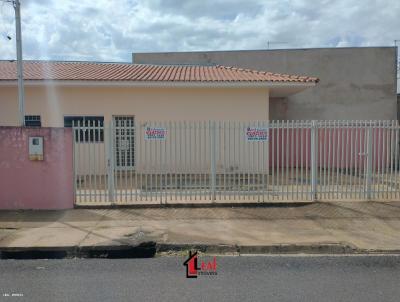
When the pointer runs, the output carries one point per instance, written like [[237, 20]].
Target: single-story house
[[58, 93], [63, 94]]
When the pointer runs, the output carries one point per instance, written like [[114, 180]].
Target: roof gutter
[[145, 84]]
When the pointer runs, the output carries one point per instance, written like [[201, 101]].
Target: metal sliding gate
[[144, 162]]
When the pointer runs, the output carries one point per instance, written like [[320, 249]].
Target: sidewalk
[[343, 226]]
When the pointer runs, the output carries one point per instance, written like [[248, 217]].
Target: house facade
[[173, 133], [111, 102]]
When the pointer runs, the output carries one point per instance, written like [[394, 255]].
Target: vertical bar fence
[[152, 162]]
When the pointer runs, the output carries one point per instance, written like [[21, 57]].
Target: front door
[[124, 142]]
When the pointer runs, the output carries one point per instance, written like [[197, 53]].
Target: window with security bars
[[87, 128], [124, 141], [33, 121]]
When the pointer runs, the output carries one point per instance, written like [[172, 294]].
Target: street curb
[[330, 248], [277, 204], [279, 249], [152, 249], [142, 250]]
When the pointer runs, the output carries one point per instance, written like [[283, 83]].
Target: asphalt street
[[254, 278]]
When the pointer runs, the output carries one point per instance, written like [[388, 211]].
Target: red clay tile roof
[[90, 71]]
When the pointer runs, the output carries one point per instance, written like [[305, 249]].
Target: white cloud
[[110, 30]]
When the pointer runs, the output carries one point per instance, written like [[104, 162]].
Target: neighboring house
[[59, 93], [356, 82]]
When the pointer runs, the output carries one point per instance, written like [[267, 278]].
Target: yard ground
[[318, 227]]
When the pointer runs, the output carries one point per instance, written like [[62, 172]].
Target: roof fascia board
[[145, 84]]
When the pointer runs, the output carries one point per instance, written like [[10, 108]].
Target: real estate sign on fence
[[156, 133], [256, 134]]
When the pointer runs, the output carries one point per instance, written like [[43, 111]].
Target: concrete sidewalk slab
[[362, 226]]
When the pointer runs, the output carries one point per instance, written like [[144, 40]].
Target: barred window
[[33, 121], [88, 128]]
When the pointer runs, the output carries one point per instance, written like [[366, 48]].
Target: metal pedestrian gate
[[146, 162]]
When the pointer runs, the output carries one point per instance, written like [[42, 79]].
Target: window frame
[[91, 127], [39, 121]]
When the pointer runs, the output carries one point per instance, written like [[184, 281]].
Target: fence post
[[369, 164], [314, 144], [213, 159], [110, 162], [74, 158]]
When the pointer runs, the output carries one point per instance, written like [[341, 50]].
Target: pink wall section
[[337, 148], [26, 184]]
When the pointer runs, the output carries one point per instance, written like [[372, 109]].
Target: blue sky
[[110, 30]]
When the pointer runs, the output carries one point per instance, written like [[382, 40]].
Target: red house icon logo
[[191, 265], [195, 267]]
